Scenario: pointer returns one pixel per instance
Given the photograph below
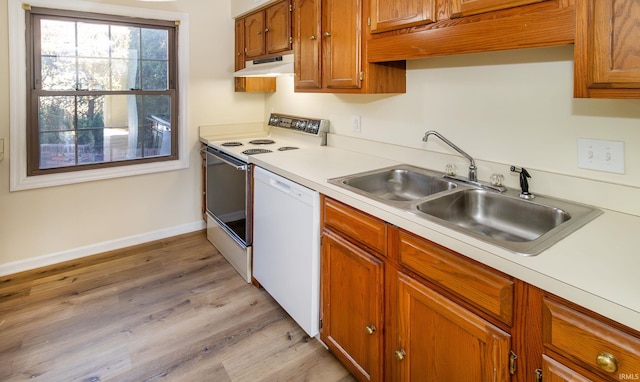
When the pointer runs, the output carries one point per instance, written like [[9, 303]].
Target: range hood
[[268, 67]]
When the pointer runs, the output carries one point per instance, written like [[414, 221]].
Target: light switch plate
[[601, 155], [356, 126]]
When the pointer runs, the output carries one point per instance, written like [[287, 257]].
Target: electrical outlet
[[355, 124], [601, 155]]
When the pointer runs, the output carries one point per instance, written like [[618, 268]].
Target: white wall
[[81, 219], [241, 7], [513, 107]]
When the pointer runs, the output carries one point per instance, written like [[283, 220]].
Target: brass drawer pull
[[607, 362], [370, 329]]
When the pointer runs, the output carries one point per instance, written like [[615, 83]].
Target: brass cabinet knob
[[607, 362], [313, 37], [370, 329], [399, 354], [327, 34], [266, 30]]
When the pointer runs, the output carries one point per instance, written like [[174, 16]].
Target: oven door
[[228, 194]]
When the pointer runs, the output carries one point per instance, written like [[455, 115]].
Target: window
[[102, 91]]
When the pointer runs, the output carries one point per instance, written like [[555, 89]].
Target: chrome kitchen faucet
[[473, 175]]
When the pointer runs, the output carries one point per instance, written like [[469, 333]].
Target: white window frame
[[18, 97]]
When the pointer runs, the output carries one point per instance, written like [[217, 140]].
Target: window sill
[[21, 182]]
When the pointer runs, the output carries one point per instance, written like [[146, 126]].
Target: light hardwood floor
[[170, 310]]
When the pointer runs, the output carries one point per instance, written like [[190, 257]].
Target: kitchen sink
[[504, 219], [476, 209], [398, 183], [497, 216]]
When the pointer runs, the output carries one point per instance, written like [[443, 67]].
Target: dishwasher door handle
[[280, 186]]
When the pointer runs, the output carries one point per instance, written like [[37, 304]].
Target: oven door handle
[[241, 167]]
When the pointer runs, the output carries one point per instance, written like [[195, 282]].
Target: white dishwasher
[[286, 246]]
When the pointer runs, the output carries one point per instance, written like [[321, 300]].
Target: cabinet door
[[438, 340], [254, 35], [278, 28], [352, 306], [607, 53], [239, 55], [393, 14], [306, 31], [553, 371], [342, 51], [472, 7]]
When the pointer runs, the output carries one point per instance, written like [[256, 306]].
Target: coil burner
[[285, 148], [256, 151], [231, 144], [262, 142]]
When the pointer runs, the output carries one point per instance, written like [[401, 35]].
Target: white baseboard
[[76, 253]]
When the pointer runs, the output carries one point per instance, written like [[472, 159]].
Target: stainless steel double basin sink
[[526, 227]]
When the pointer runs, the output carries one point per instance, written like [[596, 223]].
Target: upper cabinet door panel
[[306, 49], [254, 35], [388, 15], [278, 27], [616, 44], [341, 33], [472, 7], [239, 45]]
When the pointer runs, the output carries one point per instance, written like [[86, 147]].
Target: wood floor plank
[[170, 310]]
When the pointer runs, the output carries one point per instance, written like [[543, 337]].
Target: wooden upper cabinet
[[388, 15], [239, 45], [306, 49], [254, 35], [607, 49], [248, 84], [439, 340], [268, 31], [329, 46], [277, 28], [472, 26], [471, 7], [342, 43]]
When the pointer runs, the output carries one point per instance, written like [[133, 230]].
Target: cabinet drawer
[[357, 225], [589, 342], [489, 291]]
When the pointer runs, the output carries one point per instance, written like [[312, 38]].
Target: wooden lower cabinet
[[554, 371], [438, 340], [591, 343], [352, 306], [416, 311]]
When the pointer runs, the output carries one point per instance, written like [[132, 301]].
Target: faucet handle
[[496, 179], [451, 169]]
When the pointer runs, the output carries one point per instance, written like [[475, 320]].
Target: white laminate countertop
[[597, 266]]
